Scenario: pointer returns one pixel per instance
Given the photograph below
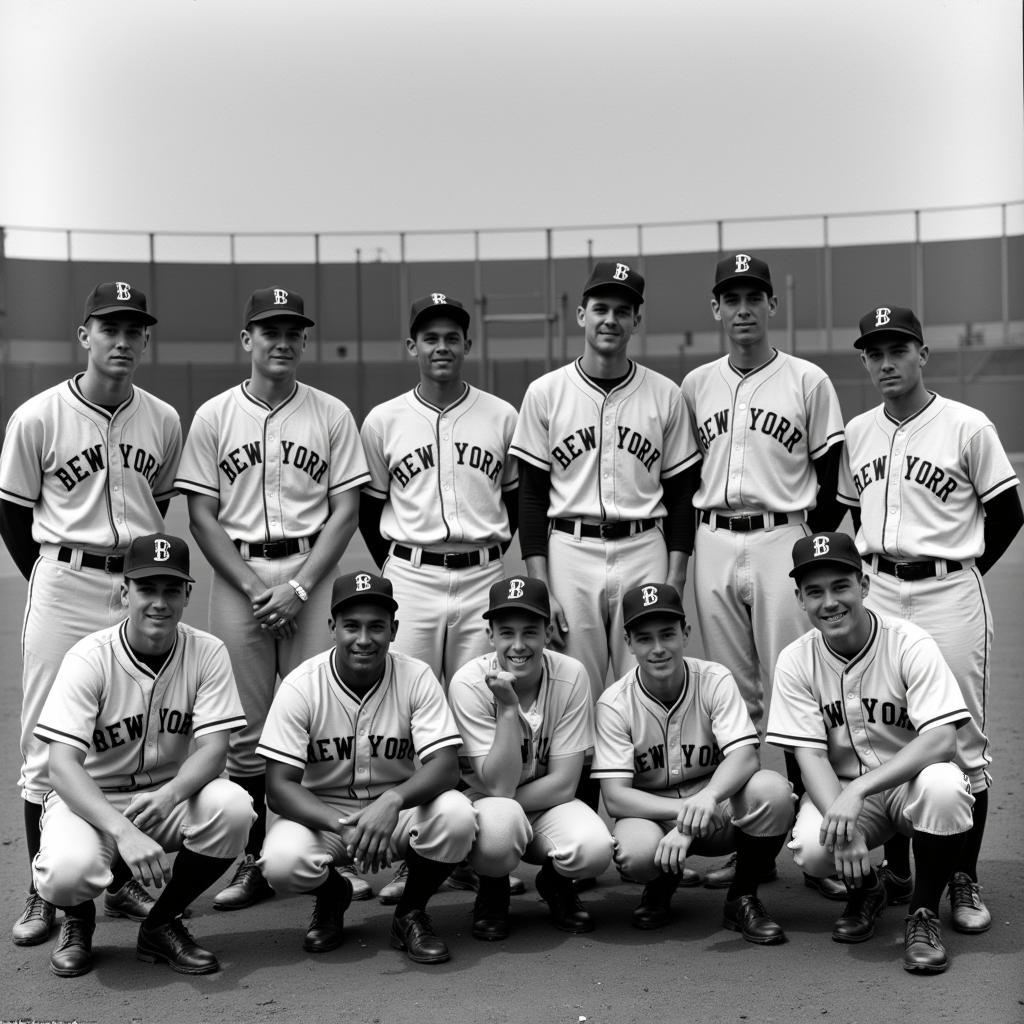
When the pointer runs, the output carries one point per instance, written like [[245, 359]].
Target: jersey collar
[[590, 382], [417, 394], [259, 403], [679, 701], [849, 663], [756, 369], [138, 663], [924, 408], [75, 387]]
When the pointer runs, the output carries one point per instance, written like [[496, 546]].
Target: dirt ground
[[692, 969]]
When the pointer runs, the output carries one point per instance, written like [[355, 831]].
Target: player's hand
[[502, 685], [670, 853], [560, 624], [852, 860], [145, 857], [840, 821], [147, 810], [368, 840], [700, 815], [677, 580], [276, 607]]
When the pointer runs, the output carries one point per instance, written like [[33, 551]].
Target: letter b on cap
[[515, 589], [742, 263], [882, 316], [438, 298], [649, 595], [820, 546], [161, 550], [363, 581], [280, 297], [124, 291], [621, 272]]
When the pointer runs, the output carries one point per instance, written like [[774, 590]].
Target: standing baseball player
[[137, 725], [272, 469], [771, 432], [872, 711], [935, 504], [86, 467], [362, 762], [676, 757], [603, 445], [526, 719], [442, 502]]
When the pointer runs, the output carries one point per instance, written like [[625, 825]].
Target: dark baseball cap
[[519, 594], [157, 554], [615, 274], [266, 303], [118, 297], [362, 586], [651, 599], [883, 320], [434, 305], [825, 548], [741, 266]]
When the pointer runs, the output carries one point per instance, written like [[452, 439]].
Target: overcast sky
[[232, 115]]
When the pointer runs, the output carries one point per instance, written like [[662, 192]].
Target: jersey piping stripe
[[913, 416], [848, 663], [220, 725], [1002, 485], [18, 499], [784, 739], [280, 755], [141, 666], [264, 405], [590, 381], [47, 732], [76, 390], [756, 369], [436, 408]]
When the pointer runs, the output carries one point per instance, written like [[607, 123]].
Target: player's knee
[[503, 831], [68, 878], [808, 853], [942, 801], [766, 804], [459, 817], [285, 858]]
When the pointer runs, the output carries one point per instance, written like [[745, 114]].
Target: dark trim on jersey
[[526, 456], [122, 635], [280, 755], [47, 733], [784, 739], [387, 674], [19, 499], [194, 486], [889, 476], [220, 725], [744, 374], [657, 700], [592, 381], [913, 416], [1007, 481], [438, 412], [831, 440], [76, 389], [349, 483], [848, 663], [662, 720], [265, 406], [436, 408]]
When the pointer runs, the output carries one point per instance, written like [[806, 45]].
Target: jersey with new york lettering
[[273, 470], [353, 748], [921, 483], [93, 478], [442, 471], [137, 725], [659, 747], [863, 710], [563, 705], [606, 453], [759, 432]]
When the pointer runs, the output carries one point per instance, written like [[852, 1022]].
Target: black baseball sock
[[755, 856], [256, 787], [33, 815], [192, 874], [968, 859], [121, 873], [897, 854], [425, 878], [330, 887], [588, 790], [934, 857], [83, 911], [793, 773]]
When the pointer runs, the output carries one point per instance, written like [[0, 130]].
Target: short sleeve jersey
[[441, 471], [760, 431], [606, 453], [921, 484], [135, 725], [93, 478], [353, 748], [658, 747], [272, 470], [564, 704], [863, 710]]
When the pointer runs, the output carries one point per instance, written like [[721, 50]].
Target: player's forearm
[[499, 771], [434, 777], [627, 802], [678, 566], [76, 787], [537, 567], [733, 773], [200, 768], [931, 747], [558, 787], [220, 551], [334, 537], [293, 801], [819, 777]]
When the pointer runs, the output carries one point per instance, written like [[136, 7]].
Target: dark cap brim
[[435, 312], [722, 285], [278, 314], [901, 332], [137, 314], [153, 570], [621, 289], [519, 606], [382, 599], [647, 613], [797, 571]]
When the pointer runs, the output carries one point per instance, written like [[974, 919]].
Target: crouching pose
[[526, 718], [871, 710], [362, 762], [137, 724], [676, 756]]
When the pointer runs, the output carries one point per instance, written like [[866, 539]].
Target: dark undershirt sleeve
[[510, 499], [370, 510], [827, 513], [680, 520], [534, 489], [1003, 520], [16, 530]]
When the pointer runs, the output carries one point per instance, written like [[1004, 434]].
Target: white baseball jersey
[[353, 748], [272, 469], [607, 453], [760, 431], [442, 471], [92, 478], [921, 483], [563, 705], [863, 710], [135, 725], [660, 748]]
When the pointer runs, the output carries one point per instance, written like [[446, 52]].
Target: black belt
[[606, 531], [746, 523], [108, 563], [448, 559], [279, 548], [913, 570]]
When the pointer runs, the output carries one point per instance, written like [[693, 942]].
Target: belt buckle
[[746, 519], [444, 563], [606, 530], [108, 559], [272, 548], [898, 568]]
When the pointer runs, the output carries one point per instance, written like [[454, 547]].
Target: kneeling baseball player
[[137, 724], [676, 756], [871, 710], [526, 718], [362, 762]]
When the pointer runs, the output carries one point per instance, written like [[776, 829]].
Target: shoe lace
[[242, 874], [133, 890], [964, 892], [35, 908], [402, 872], [922, 928], [72, 932], [420, 923], [752, 907]]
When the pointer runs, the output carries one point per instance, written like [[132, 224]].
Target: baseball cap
[[741, 266], [118, 297], [265, 303], [157, 554], [651, 599], [362, 586], [884, 320], [521, 594], [615, 274], [437, 304], [824, 548]]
